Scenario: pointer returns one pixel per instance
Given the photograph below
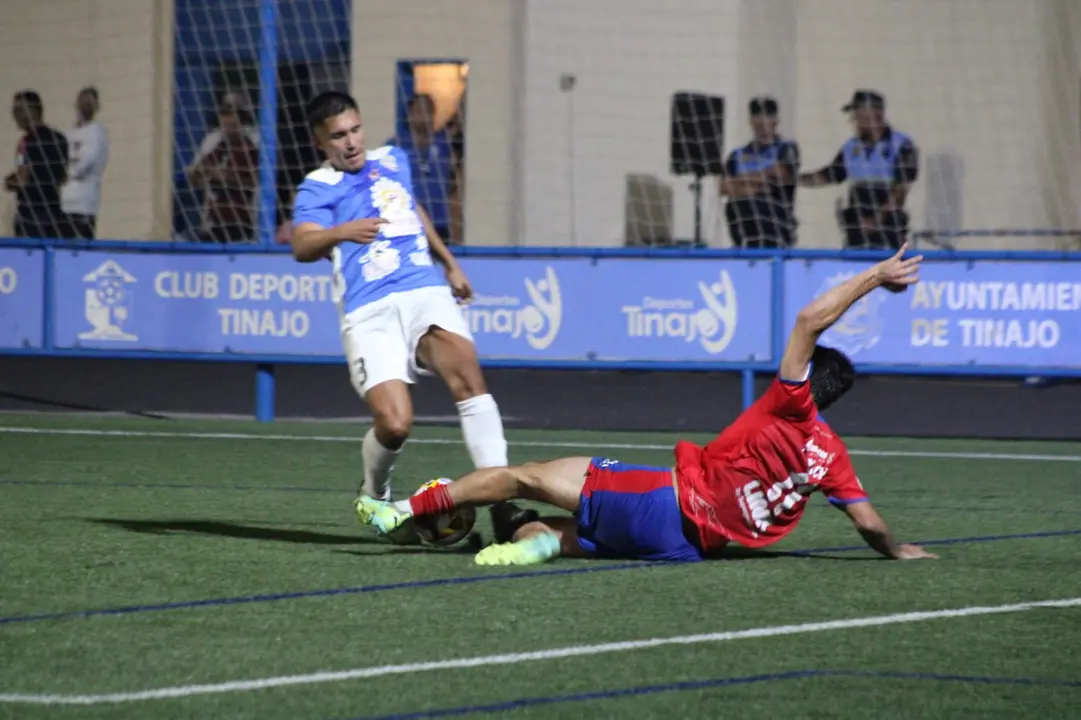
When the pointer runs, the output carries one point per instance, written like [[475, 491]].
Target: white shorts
[[381, 338]]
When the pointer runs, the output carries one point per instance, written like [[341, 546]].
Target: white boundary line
[[238, 686], [11, 430]]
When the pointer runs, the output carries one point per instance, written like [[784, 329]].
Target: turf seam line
[[1029, 457], [685, 685], [461, 580], [237, 686]]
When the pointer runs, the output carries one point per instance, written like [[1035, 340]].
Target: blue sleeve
[[313, 205]]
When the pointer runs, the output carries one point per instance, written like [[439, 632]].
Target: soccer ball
[[448, 528]]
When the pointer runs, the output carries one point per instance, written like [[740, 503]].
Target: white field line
[[11, 430], [238, 686]]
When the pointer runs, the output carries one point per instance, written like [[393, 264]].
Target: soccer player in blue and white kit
[[399, 315]]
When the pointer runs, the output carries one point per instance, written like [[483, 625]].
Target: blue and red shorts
[[632, 512]]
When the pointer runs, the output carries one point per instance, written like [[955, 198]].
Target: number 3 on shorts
[[360, 373]]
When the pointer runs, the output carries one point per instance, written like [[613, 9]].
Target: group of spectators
[[57, 176], [879, 162]]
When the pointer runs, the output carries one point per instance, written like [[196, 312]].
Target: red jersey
[[750, 484]]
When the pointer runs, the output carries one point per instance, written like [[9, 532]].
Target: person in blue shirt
[[433, 163], [881, 164], [399, 315], [760, 183]]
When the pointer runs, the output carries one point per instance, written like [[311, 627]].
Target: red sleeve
[[841, 486], [789, 400]]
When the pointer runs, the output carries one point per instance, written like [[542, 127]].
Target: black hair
[[31, 99], [92, 91], [832, 375], [327, 105]]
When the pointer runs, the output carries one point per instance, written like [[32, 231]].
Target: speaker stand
[[696, 188]]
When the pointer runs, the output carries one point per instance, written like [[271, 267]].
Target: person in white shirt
[[88, 155]]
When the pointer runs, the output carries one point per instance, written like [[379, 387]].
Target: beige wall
[[124, 47], [969, 80]]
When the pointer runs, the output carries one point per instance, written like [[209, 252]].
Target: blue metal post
[[778, 329], [268, 120], [748, 388], [264, 393], [48, 302]]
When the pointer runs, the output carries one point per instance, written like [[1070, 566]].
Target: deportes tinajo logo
[[538, 319], [712, 322]]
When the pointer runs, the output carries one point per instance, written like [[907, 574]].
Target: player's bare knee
[[393, 430]]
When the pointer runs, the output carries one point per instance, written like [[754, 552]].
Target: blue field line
[[518, 704], [949, 541], [173, 486], [467, 580]]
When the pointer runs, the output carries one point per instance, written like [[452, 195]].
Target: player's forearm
[[435, 243], [313, 245], [879, 539], [827, 308]]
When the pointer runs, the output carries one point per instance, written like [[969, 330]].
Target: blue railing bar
[[1003, 232], [167, 248], [268, 121]]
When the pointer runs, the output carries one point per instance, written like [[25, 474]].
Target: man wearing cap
[[760, 183], [880, 163]]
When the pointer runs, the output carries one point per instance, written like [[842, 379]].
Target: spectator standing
[[760, 183], [88, 155], [432, 162], [41, 168], [226, 169], [881, 164]]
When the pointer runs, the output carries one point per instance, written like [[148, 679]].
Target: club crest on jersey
[[373, 174]]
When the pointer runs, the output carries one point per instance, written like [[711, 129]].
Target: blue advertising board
[[540, 309], [267, 304], [697, 310], [1022, 314], [553, 309], [22, 279]]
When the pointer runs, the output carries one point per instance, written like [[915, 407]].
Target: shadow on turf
[[255, 532], [232, 530]]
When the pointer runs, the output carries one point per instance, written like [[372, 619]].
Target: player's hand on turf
[[361, 231], [459, 284], [897, 273], [914, 552]]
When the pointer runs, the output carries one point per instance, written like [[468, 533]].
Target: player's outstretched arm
[[894, 274], [874, 531], [311, 242]]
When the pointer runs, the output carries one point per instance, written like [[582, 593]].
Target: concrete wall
[[124, 47]]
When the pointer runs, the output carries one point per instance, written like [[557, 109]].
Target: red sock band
[[433, 501]]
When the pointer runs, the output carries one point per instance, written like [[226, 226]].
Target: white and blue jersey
[[398, 259]]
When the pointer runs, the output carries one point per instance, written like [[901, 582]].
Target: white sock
[[378, 464], [403, 506], [482, 428]]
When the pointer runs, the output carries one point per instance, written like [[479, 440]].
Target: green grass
[[95, 521]]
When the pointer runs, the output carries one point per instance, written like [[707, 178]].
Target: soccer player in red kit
[[749, 485]]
